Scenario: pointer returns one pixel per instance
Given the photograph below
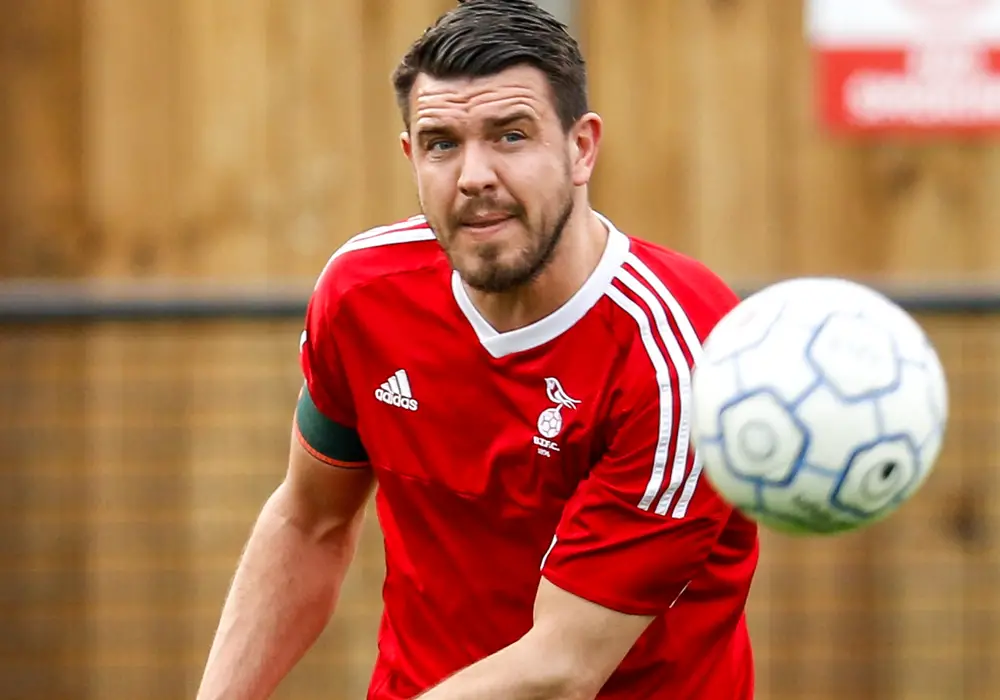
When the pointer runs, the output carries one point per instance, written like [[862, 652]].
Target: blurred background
[[175, 173]]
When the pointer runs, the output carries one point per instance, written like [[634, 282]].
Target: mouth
[[487, 224]]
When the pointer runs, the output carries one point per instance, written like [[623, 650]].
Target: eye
[[440, 145], [513, 137]]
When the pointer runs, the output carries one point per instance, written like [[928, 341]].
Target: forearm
[[281, 598], [521, 671]]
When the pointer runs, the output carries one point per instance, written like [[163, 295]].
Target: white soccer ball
[[819, 406]]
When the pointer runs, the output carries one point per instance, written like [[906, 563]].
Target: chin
[[496, 277]]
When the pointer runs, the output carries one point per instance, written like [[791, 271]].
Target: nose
[[478, 171]]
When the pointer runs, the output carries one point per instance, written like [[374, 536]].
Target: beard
[[491, 267]]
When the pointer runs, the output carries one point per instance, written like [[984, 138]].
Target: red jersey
[[560, 449]]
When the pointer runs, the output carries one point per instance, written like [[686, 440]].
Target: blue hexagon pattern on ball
[[820, 406]]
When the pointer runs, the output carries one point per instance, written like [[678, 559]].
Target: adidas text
[[396, 399]]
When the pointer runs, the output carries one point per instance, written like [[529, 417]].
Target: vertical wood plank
[[685, 89], [138, 587], [638, 58], [135, 123], [731, 110], [42, 230], [222, 197], [940, 566], [136, 132], [43, 235], [317, 143]]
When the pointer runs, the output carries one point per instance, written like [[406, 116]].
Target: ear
[[585, 141], [406, 144]]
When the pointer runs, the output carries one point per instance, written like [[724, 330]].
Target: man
[[514, 374]]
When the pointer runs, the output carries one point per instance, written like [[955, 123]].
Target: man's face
[[495, 172]]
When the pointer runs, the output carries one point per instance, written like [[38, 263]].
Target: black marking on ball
[[887, 470]]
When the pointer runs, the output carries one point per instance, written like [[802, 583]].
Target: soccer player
[[514, 373]]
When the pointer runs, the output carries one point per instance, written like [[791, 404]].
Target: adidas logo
[[395, 391]]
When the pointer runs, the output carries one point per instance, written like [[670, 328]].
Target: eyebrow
[[494, 124], [513, 118], [423, 132]]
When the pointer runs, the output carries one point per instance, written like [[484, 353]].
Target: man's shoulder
[[678, 270], [663, 305], [378, 254], [684, 289]]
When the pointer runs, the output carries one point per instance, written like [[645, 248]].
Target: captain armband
[[327, 440]]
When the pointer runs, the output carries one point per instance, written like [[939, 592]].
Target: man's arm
[[570, 652], [289, 578]]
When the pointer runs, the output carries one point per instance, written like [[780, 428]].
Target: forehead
[[476, 99]]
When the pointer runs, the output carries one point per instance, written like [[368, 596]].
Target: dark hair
[[480, 38]]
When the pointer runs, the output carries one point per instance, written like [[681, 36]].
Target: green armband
[[327, 440]]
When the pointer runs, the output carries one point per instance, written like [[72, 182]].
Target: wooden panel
[[940, 561], [712, 148], [139, 551], [42, 445], [135, 129], [41, 228], [226, 139], [689, 156]]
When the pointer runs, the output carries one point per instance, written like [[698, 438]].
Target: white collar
[[559, 321]]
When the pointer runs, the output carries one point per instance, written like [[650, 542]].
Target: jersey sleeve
[[325, 419], [642, 524]]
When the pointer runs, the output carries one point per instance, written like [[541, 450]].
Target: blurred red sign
[[905, 66]]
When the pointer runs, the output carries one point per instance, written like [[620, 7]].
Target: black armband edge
[[326, 440]]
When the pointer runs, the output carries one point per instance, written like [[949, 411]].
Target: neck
[[574, 260]]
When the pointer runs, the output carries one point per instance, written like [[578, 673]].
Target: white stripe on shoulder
[[410, 223], [385, 234], [410, 235], [666, 399], [691, 338], [409, 231], [693, 343]]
